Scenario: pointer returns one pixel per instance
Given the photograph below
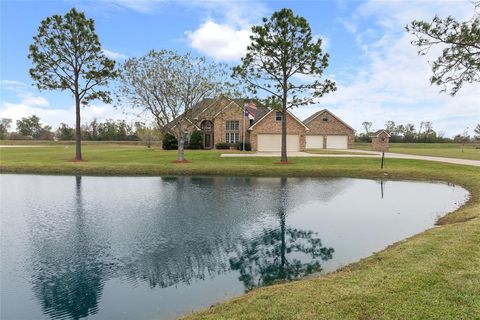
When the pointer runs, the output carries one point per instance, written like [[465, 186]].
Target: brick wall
[[332, 127], [381, 142], [271, 126], [233, 112]]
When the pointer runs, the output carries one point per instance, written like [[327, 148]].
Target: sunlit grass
[[447, 150]]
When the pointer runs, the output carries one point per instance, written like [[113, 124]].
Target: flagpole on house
[[244, 115]]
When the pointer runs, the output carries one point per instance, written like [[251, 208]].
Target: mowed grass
[[447, 150], [433, 275]]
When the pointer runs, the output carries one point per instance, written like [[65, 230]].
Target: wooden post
[[383, 157]]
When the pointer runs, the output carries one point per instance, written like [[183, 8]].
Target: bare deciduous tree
[[367, 126], [477, 132], [166, 85]]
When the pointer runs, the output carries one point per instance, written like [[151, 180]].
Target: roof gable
[[272, 110], [210, 108], [232, 103], [318, 113], [378, 132]]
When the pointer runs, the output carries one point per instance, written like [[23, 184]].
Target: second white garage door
[[337, 142], [273, 142], [314, 142]]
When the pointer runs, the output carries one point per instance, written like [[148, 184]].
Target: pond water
[[160, 247]]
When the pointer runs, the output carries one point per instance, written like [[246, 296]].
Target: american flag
[[250, 110]]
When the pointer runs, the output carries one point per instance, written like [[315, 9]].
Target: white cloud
[[220, 41], [394, 84], [36, 105], [225, 33], [142, 6], [13, 85], [54, 117], [349, 25], [114, 55], [29, 99]]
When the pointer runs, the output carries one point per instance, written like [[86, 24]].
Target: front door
[[207, 129], [208, 141]]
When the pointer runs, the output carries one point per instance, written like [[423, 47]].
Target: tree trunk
[[78, 132], [283, 215], [181, 143], [284, 128], [283, 245]]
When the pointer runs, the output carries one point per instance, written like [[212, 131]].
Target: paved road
[[22, 146], [352, 154]]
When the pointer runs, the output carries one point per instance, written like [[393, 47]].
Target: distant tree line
[[31, 128], [409, 133]]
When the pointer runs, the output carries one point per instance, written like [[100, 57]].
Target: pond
[[159, 247]]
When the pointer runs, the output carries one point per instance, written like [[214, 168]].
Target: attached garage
[[337, 134], [273, 142], [314, 142], [337, 142]]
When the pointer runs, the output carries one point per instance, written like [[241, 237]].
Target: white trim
[[379, 132], [214, 100], [298, 120], [259, 120], [228, 105], [288, 112], [193, 124], [332, 114]]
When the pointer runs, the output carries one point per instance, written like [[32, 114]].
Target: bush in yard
[[18, 136], [169, 142], [239, 146], [223, 145], [64, 132], [196, 140]]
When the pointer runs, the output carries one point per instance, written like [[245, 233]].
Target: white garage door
[[314, 142], [273, 142], [337, 142]]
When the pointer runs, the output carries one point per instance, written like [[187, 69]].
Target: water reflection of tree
[[189, 233], [68, 272], [198, 231], [279, 254], [190, 237]]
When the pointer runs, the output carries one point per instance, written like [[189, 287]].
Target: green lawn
[[433, 275], [449, 150]]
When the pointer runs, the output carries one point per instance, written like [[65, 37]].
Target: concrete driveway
[[352, 153]]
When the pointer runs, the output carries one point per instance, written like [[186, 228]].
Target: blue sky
[[378, 73]]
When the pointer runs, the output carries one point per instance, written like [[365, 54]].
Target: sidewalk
[[371, 154]]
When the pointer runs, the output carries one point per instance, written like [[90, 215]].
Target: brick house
[[225, 120], [327, 131], [222, 120]]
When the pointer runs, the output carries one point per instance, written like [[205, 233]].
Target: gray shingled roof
[[209, 107], [377, 132], [313, 116]]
